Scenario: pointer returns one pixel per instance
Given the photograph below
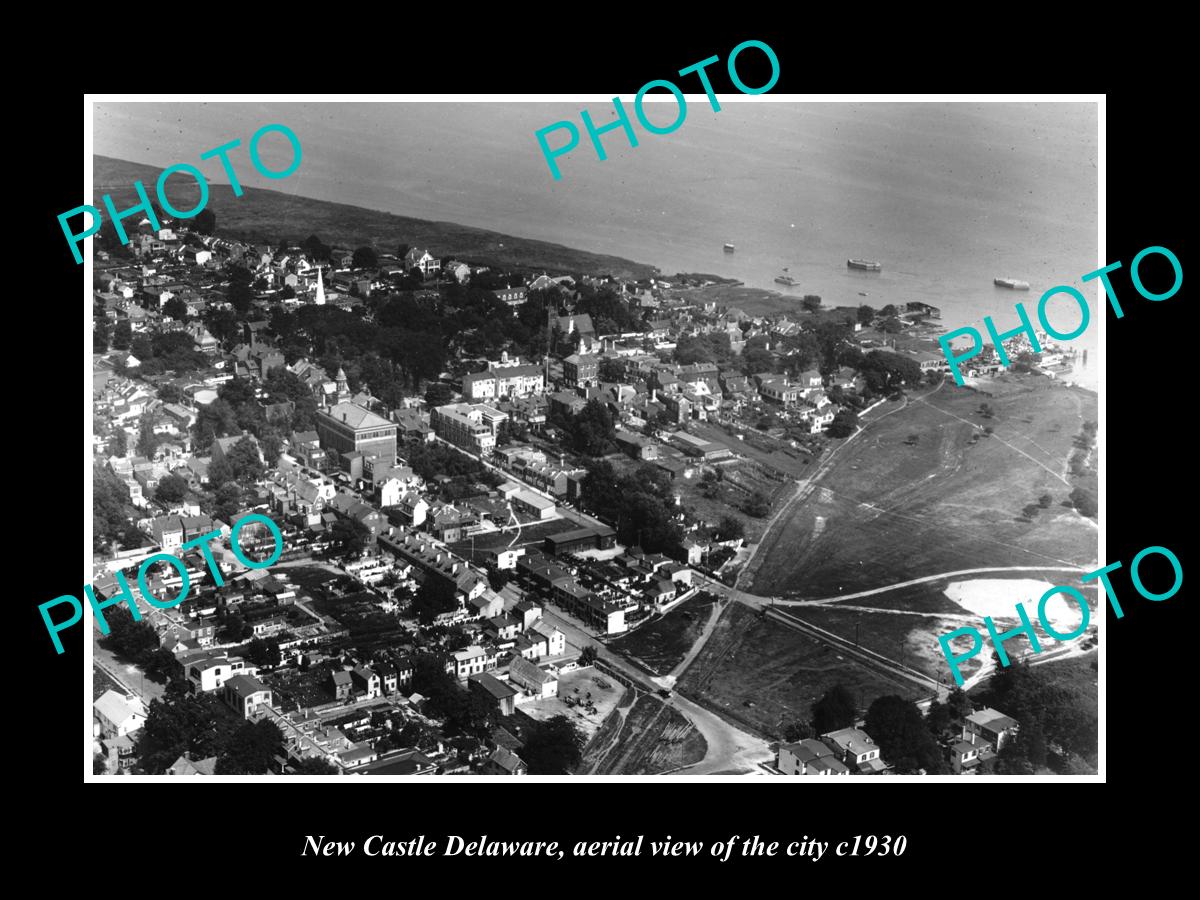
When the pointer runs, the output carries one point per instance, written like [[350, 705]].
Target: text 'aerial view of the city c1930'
[[656, 468]]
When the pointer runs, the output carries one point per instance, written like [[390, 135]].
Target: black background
[[980, 830]]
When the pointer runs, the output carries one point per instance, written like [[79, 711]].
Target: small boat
[[786, 279], [867, 264], [729, 248], [1011, 283], [863, 294]]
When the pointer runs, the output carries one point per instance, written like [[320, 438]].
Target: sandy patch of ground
[[606, 693], [998, 597]]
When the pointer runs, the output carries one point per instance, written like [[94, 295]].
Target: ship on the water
[[867, 264], [1011, 283], [729, 248], [786, 279]]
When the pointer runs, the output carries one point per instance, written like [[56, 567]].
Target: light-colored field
[[606, 693], [998, 597]]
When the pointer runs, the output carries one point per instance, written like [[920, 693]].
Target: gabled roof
[[506, 759], [117, 708]]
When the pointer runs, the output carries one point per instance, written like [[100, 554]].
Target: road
[[924, 580], [127, 675]]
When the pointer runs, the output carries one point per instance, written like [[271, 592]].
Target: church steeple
[[320, 298]]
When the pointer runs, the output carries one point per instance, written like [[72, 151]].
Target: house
[[504, 762], [117, 715], [211, 671], [341, 684], [556, 641], [991, 725], [423, 260], [185, 766], [809, 757], [470, 661], [366, 681], [581, 370], [533, 504], [513, 296], [856, 749], [245, 694], [399, 762], [538, 682], [968, 754], [496, 691]]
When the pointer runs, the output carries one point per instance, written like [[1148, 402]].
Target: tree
[[810, 302], [758, 505], [1084, 501], [844, 424], [234, 630], [205, 221], [553, 747], [159, 665], [171, 393], [313, 765], [244, 461], [130, 640], [147, 441], [730, 529], [1045, 500], [176, 723], [176, 309], [439, 394], [866, 315], [588, 655], [365, 258], [904, 740], [401, 252], [833, 711], [435, 596], [122, 335], [171, 489], [350, 536], [251, 749], [797, 731], [119, 445], [263, 653], [314, 248]]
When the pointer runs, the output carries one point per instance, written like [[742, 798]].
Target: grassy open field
[[893, 508], [909, 640], [663, 643], [750, 660], [102, 682], [263, 214]]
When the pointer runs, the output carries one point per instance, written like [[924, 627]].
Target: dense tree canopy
[[905, 741], [552, 747], [834, 710]]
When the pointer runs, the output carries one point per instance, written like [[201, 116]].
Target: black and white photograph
[[532, 437]]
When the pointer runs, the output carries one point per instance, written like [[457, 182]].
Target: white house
[[118, 715]]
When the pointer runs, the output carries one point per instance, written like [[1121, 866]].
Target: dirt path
[[772, 535], [926, 579], [668, 680]]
